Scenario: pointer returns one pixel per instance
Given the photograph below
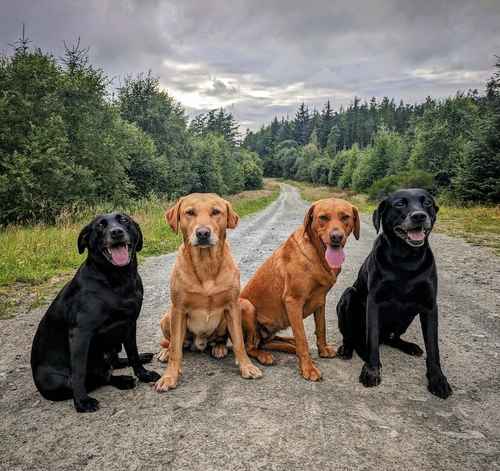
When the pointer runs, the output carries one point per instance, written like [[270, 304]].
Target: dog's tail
[[351, 313]]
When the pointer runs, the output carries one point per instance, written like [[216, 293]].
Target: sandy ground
[[216, 420]]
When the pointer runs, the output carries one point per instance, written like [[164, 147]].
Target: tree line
[[67, 139], [451, 146]]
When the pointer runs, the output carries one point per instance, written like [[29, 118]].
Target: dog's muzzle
[[203, 237], [415, 228]]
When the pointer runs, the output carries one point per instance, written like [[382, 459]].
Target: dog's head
[[331, 221], [202, 218], [111, 238], [407, 215]]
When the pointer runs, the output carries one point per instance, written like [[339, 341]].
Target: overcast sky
[[262, 58]]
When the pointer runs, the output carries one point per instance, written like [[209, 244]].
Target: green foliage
[[64, 144], [415, 179], [455, 142]]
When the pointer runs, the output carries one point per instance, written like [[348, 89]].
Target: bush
[[416, 179]]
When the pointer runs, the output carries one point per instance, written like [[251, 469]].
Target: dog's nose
[[203, 234], [418, 217], [336, 238], [117, 233]]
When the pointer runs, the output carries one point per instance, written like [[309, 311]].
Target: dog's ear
[[83, 238], [173, 215], [232, 216], [308, 218], [378, 213], [436, 207], [357, 222], [140, 239]]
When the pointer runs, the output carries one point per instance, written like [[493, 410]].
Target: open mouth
[[415, 236], [118, 254], [334, 255]]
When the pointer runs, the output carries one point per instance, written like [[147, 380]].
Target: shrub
[[416, 179]]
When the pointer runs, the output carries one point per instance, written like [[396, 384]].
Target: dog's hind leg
[[406, 347], [53, 384], [280, 344], [351, 321], [165, 341], [252, 337], [120, 362]]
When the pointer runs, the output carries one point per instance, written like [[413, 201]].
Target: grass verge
[[37, 260], [479, 225]]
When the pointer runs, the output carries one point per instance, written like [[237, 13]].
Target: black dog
[[397, 281], [78, 340]]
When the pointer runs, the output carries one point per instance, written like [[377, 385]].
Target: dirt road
[[216, 420]]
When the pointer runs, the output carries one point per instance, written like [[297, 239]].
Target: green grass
[[479, 225], [311, 192], [37, 253]]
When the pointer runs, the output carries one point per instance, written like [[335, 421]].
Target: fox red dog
[[293, 283]]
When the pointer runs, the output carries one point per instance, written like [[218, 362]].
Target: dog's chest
[[205, 309]]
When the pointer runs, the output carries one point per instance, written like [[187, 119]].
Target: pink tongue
[[119, 255], [334, 256], [419, 234]]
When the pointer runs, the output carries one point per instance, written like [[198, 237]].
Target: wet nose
[[117, 233], [336, 238], [418, 217], [203, 234]]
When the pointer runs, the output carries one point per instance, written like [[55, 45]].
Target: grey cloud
[[260, 58]]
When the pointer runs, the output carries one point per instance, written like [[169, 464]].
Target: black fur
[[78, 340], [397, 282]]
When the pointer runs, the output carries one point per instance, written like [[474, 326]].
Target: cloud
[[262, 58]]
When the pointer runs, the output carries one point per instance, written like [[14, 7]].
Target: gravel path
[[216, 420]]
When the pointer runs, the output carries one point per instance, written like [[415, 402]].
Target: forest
[[68, 140], [450, 146]]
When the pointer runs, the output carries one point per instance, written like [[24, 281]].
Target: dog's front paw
[[86, 404], [310, 371], [439, 386], [344, 353], [146, 376], [250, 371], [166, 382], [122, 382], [370, 376], [327, 351]]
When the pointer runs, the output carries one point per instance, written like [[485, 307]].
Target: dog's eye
[[345, 218], [427, 203], [102, 224], [324, 218], [124, 219], [190, 212], [400, 204], [215, 212]]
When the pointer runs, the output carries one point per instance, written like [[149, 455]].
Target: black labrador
[[78, 340], [397, 281]]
